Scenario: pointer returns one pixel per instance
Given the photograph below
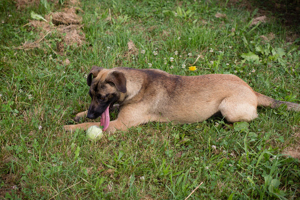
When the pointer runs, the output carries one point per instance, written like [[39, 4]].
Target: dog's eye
[[101, 98]]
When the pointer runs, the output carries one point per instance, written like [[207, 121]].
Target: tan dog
[[146, 95]]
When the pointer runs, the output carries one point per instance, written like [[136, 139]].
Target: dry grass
[[66, 24]]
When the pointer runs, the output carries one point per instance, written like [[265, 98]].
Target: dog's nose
[[90, 115]]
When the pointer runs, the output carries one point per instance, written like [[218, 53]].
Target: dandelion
[[0, 95], [224, 151], [253, 71], [192, 68], [235, 71], [108, 48], [175, 14], [171, 59], [143, 52], [206, 167], [221, 52], [214, 147], [142, 178], [40, 127], [155, 53], [227, 64], [14, 187], [85, 76], [232, 154], [2, 21], [230, 165], [149, 65], [29, 96], [211, 62], [176, 53], [230, 47], [178, 38], [211, 50], [9, 15], [190, 54], [216, 124], [171, 67], [183, 66], [190, 38]]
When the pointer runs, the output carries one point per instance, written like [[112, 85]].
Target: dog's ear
[[93, 73], [118, 79]]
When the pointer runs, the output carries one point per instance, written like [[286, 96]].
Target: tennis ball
[[94, 133]]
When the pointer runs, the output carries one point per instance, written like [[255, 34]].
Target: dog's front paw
[[80, 116], [69, 127]]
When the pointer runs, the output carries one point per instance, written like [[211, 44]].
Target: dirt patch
[[65, 26], [294, 149], [67, 17], [21, 4]]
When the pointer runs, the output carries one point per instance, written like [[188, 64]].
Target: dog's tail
[[264, 100]]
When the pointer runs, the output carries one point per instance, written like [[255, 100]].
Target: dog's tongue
[[105, 119]]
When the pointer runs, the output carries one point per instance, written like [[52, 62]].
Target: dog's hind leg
[[239, 108]]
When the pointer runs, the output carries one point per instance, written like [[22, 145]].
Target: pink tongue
[[105, 119]]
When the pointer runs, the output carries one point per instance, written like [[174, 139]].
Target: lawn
[[48, 48]]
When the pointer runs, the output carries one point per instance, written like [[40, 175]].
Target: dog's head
[[106, 87]]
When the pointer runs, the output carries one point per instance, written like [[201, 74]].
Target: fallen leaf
[[271, 36], [261, 19], [264, 38], [66, 62], [220, 15], [131, 46]]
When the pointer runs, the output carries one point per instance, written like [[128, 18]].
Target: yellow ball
[[94, 133]]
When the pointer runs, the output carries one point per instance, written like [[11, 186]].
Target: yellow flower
[[192, 68]]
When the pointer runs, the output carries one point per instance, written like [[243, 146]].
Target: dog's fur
[[146, 95]]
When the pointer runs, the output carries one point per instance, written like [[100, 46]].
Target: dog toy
[[94, 133]]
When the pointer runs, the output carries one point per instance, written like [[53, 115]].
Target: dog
[[146, 95]]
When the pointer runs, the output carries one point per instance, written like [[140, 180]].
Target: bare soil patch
[[65, 25], [294, 149]]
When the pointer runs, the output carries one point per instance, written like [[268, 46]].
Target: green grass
[[39, 94]]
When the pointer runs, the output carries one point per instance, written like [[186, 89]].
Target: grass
[[39, 94]]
